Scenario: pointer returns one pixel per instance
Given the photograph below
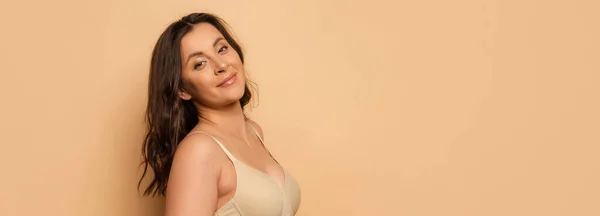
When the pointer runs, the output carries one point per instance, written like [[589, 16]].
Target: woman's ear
[[184, 95]]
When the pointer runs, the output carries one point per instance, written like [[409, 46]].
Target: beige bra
[[257, 193]]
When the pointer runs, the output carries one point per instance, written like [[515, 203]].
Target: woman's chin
[[229, 97], [234, 98]]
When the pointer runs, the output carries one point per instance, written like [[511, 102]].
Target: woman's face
[[212, 71]]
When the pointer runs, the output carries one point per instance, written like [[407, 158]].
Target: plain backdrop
[[421, 108]]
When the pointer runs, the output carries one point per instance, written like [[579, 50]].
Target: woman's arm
[[192, 186]]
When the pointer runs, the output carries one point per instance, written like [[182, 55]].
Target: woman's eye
[[199, 65], [223, 49]]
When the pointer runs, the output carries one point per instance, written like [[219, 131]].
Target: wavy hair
[[169, 118]]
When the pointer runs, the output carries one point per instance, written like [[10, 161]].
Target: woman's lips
[[228, 81]]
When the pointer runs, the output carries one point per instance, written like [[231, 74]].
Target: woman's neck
[[229, 120]]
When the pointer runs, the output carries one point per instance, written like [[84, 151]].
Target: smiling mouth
[[228, 81]]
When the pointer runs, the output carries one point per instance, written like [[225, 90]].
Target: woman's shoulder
[[197, 146]]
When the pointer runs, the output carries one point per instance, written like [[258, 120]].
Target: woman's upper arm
[[192, 185]]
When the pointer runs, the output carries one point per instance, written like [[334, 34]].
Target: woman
[[208, 158]]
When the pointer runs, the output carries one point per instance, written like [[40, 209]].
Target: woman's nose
[[220, 66]]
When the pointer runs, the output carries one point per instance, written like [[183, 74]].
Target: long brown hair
[[169, 119]]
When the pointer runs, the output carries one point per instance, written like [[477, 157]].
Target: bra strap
[[257, 134], [229, 155], [261, 141]]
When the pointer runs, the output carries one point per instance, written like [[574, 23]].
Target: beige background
[[378, 107]]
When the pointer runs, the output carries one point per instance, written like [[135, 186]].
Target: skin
[[202, 177]]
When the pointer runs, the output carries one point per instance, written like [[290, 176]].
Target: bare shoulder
[[257, 126], [193, 182], [198, 148], [196, 155]]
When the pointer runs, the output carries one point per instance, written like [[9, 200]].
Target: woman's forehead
[[201, 37]]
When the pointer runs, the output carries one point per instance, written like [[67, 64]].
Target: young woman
[[207, 157]]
